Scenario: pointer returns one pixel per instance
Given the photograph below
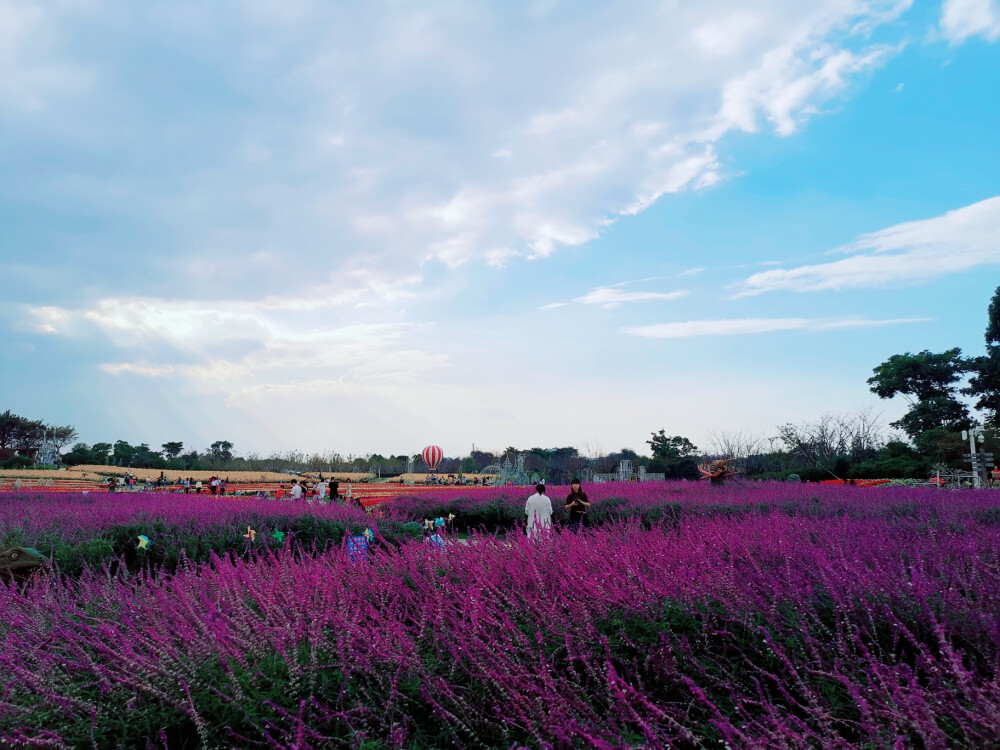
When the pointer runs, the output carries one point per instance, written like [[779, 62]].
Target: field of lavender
[[757, 615]]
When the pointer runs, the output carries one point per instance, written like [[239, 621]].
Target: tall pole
[[974, 434], [972, 451]]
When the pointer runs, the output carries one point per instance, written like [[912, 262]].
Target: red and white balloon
[[432, 456]]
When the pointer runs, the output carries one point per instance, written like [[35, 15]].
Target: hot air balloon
[[432, 456]]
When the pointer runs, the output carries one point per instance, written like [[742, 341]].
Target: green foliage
[[172, 449], [921, 376], [928, 380], [220, 452], [16, 462], [993, 320], [670, 448], [985, 384]]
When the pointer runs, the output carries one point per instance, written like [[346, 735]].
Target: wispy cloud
[[613, 296], [910, 253], [747, 326]]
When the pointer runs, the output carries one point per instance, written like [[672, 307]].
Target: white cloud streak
[[910, 253], [748, 326], [609, 297]]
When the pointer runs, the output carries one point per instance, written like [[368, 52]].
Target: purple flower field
[[79, 516], [763, 615]]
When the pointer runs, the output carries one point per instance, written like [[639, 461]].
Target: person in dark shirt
[[577, 506]]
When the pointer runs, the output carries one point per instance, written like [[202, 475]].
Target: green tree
[[81, 453], [993, 320], [28, 435], [190, 460], [171, 450], [8, 423], [62, 435], [670, 448], [101, 452], [928, 381], [221, 451], [985, 381], [122, 453]]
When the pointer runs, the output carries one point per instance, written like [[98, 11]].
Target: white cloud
[[401, 135], [746, 326], [608, 297], [227, 344], [613, 296], [909, 253], [961, 19]]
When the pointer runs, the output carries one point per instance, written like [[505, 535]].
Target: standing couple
[[539, 509]]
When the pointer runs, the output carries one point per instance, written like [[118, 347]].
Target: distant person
[[296, 490], [197, 487], [995, 476], [335, 491], [280, 492], [539, 512], [577, 505]]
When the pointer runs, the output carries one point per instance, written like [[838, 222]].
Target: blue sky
[[365, 228]]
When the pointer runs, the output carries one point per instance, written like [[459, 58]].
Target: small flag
[[144, 542], [250, 535], [279, 535]]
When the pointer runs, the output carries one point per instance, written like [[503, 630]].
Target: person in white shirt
[[539, 512], [296, 490], [321, 490]]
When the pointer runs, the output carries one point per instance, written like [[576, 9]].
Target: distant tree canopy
[[670, 448], [24, 436], [929, 381], [984, 385]]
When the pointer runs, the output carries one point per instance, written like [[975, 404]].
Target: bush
[[16, 462]]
